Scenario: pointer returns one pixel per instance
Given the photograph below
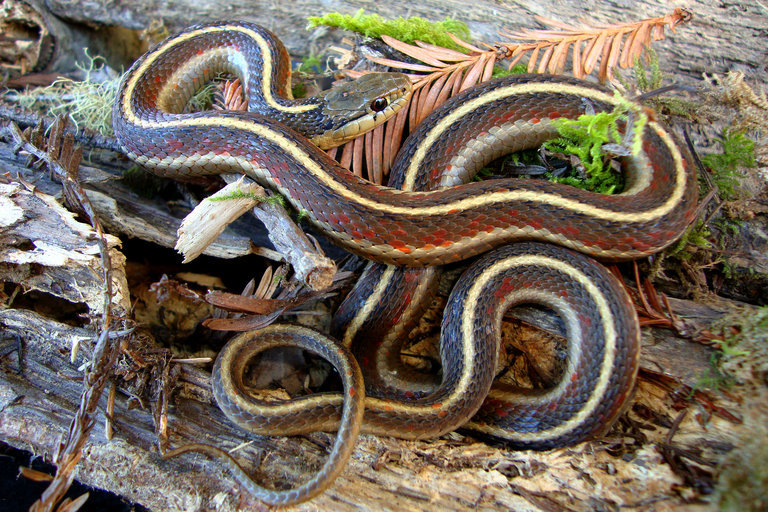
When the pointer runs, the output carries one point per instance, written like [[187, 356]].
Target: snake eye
[[379, 104]]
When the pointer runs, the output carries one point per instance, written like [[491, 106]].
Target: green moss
[[648, 77], [715, 379], [694, 236], [517, 69], [586, 138], [299, 90], [642, 66], [406, 30], [311, 64], [240, 194], [738, 151]]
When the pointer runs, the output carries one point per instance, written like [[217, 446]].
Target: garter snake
[[425, 227]]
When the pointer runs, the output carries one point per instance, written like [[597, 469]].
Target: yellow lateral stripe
[[315, 168], [370, 303], [609, 350]]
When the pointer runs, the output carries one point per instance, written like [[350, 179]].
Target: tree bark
[[723, 36]]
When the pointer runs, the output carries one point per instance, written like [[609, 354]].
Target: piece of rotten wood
[[307, 258], [44, 248]]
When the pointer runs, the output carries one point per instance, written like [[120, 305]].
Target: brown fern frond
[[612, 45], [229, 96]]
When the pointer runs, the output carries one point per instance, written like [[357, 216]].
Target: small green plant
[[648, 78], [738, 151], [311, 64], [203, 99], [517, 69], [644, 82], [696, 236], [715, 379], [586, 138], [405, 30]]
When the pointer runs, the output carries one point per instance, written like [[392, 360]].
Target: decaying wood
[[310, 264], [452, 473], [722, 37]]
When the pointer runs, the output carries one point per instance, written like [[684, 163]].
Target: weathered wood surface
[[723, 35], [40, 389]]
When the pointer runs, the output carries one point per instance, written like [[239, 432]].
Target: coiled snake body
[[428, 223]]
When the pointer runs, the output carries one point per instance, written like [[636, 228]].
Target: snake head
[[356, 107]]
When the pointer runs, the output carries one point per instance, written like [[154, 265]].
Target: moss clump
[[587, 138], [738, 151], [743, 474], [406, 30]]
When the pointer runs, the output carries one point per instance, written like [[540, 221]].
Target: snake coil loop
[[429, 222]]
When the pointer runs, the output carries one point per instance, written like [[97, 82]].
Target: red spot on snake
[[535, 120], [174, 143], [399, 232], [400, 246], [352, 392], [343, 219], [568, 230], [575, 377], [555, 115], [564, 294]]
